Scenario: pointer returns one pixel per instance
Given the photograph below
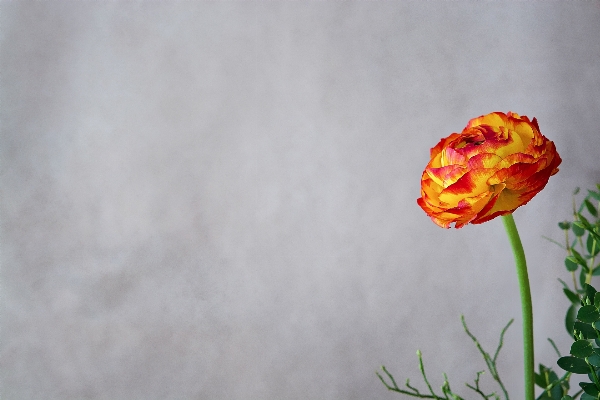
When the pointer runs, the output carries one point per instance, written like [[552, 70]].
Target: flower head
[[496, 164]]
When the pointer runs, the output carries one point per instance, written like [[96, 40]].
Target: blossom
[[496, 164]]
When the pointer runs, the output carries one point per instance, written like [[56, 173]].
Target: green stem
[[526, 306]]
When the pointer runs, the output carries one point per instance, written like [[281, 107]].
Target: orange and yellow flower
[[496, 164]]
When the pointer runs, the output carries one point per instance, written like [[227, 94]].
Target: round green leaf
[[590, 389], [588, 314], [577, 228], [586, 330], [565, 226], [594, 359], [582, 349], [573, 364], [571, 263]]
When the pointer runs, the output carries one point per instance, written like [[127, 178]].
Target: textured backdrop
[[206, 200]]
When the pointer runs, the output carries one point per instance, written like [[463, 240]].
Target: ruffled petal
[[497, 164]]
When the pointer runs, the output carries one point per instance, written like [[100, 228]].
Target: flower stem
[[526, 306]]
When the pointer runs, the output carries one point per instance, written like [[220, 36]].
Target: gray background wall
[[217, 200]]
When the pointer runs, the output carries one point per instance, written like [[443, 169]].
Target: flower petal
[[498, 163]]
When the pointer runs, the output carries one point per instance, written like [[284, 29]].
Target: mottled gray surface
[[205, 200]]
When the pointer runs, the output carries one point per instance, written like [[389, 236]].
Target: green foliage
[[585, 353], [581, 349], [573, 364], [554, 387], [447, 393], [582, 243], [588, 314], [582, 321]]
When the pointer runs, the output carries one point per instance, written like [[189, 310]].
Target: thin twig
[[476, 387], [554, 241], [415, 392], [555, 348], [501, 343], [491, 363], [422, 368]]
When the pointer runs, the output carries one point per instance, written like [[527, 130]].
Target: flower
[[496, 164]]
